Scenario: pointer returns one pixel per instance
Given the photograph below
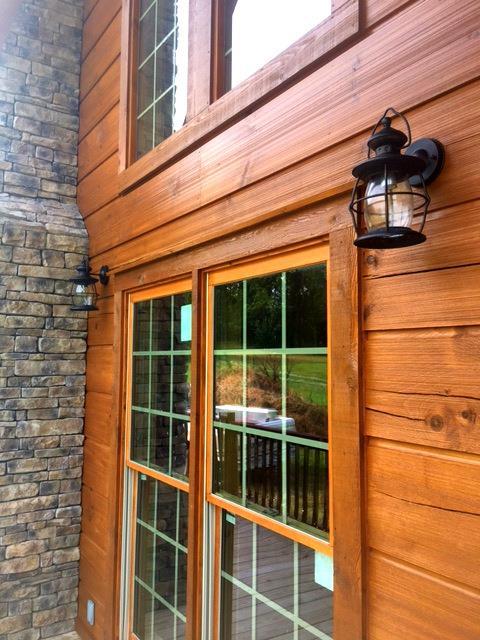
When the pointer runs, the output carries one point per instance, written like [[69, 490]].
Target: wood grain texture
[[97, 22], [98, 418], [444, 298], [99, 187], [101, 56], [404, 600], [416, 514], [446, 422], [347, 497], [426, 361], [100, 100], [99, 145], [100, 369]]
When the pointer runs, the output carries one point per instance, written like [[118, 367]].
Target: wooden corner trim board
[[206, 120]]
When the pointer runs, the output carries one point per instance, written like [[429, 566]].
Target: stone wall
[[42, 343]]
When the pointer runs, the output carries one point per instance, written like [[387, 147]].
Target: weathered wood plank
[[446, 297], [438, 421], [99, 187], [98, 20], [405, 601], [428, 361], [101, 56], [101, 99], [437, 530], [98, 145]]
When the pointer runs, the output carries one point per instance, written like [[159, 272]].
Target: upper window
[[183, 55], [162, 71], [256, 32]]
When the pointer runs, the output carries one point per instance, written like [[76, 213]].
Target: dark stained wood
[[346, 475]]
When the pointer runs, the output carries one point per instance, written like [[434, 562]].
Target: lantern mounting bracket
[[103, 275], [433, 153]]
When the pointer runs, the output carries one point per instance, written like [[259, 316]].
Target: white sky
[[264, 28]]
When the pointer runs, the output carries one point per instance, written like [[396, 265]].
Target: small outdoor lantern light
[[84, 290], [391, 187]]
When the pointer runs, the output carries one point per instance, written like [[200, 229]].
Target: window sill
[[275, 76]]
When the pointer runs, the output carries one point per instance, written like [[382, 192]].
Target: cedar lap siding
[[242, 179]]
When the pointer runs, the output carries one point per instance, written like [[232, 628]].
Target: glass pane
[[264, 312], [146, 34], [160, 560], [161, 382], [161, 324], [271, 395], [180, 435], [139, 437], [140, 381], [250, 41], [141, 323], [272, 583], [182, 321], [142, 612], [160, 443], [307, 395], [306, 307], [162, 72], [160, 385], [146, 499], [228, 316], [145, 133]]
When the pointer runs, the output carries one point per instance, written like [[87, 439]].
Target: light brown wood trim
[[158, 475], [310, 50], [346, 449], [216, 577], [199, 57], [128, 83], [196, 461], [116, 515], [131, 557]]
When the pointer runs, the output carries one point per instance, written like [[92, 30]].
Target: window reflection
[[256, 32]]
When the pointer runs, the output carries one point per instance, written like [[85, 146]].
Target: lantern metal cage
[[84, 290], [391, 187]]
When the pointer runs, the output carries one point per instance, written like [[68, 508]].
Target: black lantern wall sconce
[[391, 187], [84, 291]]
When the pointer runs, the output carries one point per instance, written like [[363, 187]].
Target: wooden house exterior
[[258, 181]]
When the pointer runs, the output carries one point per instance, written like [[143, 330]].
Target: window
[[175, 70], [158, 460], [232, 502], [162, 69], [256, 32]]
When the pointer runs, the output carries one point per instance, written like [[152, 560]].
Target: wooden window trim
[[208, 111]]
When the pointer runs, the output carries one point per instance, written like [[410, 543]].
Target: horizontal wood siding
[[280, 175]]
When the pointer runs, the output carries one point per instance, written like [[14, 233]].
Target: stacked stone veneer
[[42, 343]]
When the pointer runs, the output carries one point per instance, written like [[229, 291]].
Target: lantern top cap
[[84, 276], [388, 139]]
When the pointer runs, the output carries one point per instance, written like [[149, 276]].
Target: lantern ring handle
[[400, 115]]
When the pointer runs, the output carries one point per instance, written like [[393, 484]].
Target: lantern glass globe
[[399, 198]]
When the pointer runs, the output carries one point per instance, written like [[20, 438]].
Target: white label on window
[[186, 323], [324, 570]]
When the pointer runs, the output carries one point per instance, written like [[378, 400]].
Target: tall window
[[268, 430], [162, 71], [159, 424]]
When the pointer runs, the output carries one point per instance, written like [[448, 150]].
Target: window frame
[[208, 111], [269, 265]]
